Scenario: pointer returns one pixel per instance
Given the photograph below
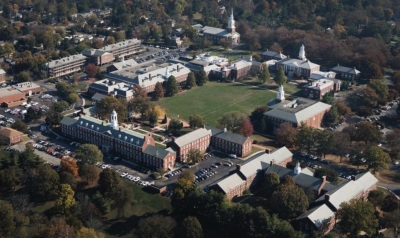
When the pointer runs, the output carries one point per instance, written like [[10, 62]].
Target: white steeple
[[297, 169], [114, 120], [281, 94], [231, 23], [302, 53], [166, 73]]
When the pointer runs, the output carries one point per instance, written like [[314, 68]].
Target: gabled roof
[[98, 96], [343, 69], [274, 54], [349, 190], [318, 215], [66, 60], [304, 64], [230, 182], [277, 156], [121, 44], [251, 168], [228, 136], [94, 52], [156, 151], [192, 136]]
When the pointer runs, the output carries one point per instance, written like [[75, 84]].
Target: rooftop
[[66, 60], [9, 132], [192, 136], [229, 183], [121, 44], [320, 84], [344, 69], [305, 64]]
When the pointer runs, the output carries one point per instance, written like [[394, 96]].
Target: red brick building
[[229, 142], [109, 137], [98, 57], [317, 89], [10, 136], [198, 139]]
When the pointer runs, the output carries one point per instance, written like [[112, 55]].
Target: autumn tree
[[190, 81], [376, 158], [19, 125], [65, 198], [191, 228], [158, 91], [89, 172], [246, 129], [92, 70], [172, 87], [23, 76], [306, 138], [381, 90], [157, 226], [196, 121], [367, 132], [85, 232], [232, 121], [257, 117], [59, 228], [7, 222], [280, 77], [286, 135], [69, 165], [194, 156], [106, 105], [88, 153], [357, 216]]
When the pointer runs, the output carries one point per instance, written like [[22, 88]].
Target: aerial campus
[[199, 119]]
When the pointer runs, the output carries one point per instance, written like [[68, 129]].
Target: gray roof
[[230, 182], [318, 215], [297, 111], [276, 156], [192, 136], [156, 151], [121, 44], [227, 136], [98, 96], [274, 54], [218, 32], [250, 168], [68, 121], [343, 69], [94, 52], [66, 60], [298, 63], [350, 190]]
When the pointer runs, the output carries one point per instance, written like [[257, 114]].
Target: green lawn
[[214, 99]]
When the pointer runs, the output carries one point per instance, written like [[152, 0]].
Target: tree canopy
[[88, 153]]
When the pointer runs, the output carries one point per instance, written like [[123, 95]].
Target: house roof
[[274, 54], [98, 96], [192, 136], [94, 52], [156, 151], [277, 156], [122, 44], [343, 69], [218, 32], [349, 190], [250, 168], [230, 182], [66, 60], [9, 132], [298, 63], [318, 215], [227, 136], [297, 110]]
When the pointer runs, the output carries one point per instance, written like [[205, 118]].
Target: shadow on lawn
[[124, 226]]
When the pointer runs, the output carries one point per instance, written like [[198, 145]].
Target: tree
[[92, 70], [72, 98], [289, 201], [19, 125], [53, 117], [357, 216], [65, 198], [156, 226], [306, 138], [269, 184], [286, 135], [106, 105], [158, 91], [328, 98], [172, 86], [60, 106], [246, 129], [63, 88], [59, 228], [367, 132], [108, 182], [23, 76], [88, 153], [232, 121], [376, 158], [174, 126], [32, 114], [190, 81], [341, 141], [7, 223], [10, 177], [264, 74], [392, 220], [381, 89], [68, 178], [191, 228], [44, 183], [193, 156], [201, 78], [257, 116], [280, 77], [153, 118], [196, 121], [364, 98], [330, 174], [342, 109], [89, 172], [69, 165], [85, 232]]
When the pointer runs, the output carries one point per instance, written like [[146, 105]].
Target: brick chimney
[[177, 68], [322, 185], [238, 166], [149, 76], [327, 197]]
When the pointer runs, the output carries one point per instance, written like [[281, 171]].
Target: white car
[[8, 110], [123, 175]]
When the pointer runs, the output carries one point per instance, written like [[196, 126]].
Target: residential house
[[198, 139], [229, 142], [11, 136]]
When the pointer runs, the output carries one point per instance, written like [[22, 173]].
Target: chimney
[[177, 68], [238, 166], [267, 151], [353, 177], [149, 76], [225, 130], [270, 163], [322, 185], [173, 138], [327, 196]]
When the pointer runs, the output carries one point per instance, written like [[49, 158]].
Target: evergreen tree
[[280, 77], [201, 78], [264, 74], [172, 86], [158, 91], [191, 81]]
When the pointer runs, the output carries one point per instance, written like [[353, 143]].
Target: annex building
[[17, 94], [110, 137], [65, 66]]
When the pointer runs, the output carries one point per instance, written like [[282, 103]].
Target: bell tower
[[302, 53], [281, 94], [231, 24], [114, 120]]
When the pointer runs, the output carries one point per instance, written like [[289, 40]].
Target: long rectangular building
[[124, 48], [109, 137], [65, 66]]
